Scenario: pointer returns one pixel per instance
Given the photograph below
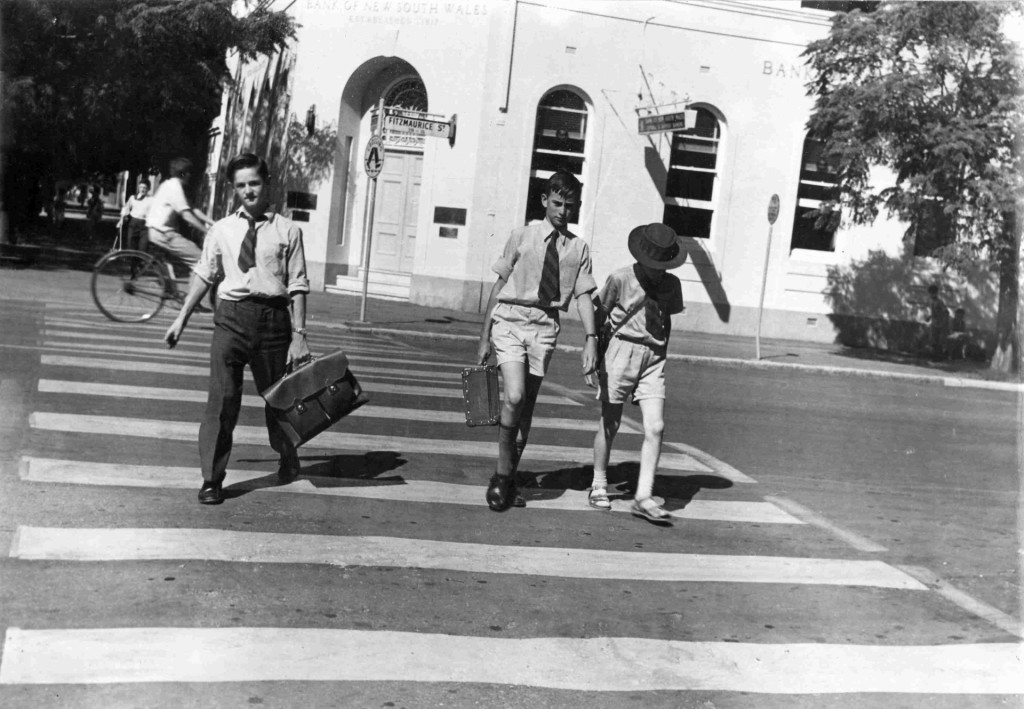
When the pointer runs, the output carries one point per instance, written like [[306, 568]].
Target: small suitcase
[[315, 395], [480, 390]]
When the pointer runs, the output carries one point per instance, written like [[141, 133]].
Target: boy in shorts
[[543, 266], [638, 302]]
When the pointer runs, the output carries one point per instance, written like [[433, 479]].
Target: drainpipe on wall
[[511, 56]]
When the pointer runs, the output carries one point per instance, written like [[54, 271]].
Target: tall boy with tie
[[262, 296], [542, 268]]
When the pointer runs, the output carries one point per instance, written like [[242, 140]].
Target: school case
[[313, 396], [480, 391]]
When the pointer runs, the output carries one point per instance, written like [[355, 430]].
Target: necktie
[[549, 290], [247, 254]]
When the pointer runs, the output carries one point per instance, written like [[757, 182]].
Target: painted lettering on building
[[785, 70], [399, 12]]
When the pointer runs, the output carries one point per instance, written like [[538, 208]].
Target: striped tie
[[550, 290], [247, 254]]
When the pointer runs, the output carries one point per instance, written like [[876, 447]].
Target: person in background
[[135, 211], [169, 207], [939, 322]]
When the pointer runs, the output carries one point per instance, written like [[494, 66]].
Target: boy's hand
[[589, 356], [173, 333], [591, 380], [483, 351], [298, 350]]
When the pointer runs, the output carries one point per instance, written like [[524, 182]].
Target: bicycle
[[132, 286]]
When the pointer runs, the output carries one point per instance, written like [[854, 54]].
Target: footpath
[[59, 269]]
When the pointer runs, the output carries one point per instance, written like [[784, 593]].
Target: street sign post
[[773, 214], [373, 160], [403, 126]]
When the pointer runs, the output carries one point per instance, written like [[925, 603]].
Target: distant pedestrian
[[638, 302], [93, 212], [57, 212], [133, 217], [260, 318], [542, 268], [938, 321], [169, 207]]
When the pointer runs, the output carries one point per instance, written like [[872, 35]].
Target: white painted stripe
[[129, 544], [136, 655], [71, 472], [187, 370], [852, 538], [970, 604], [392, 413], [257, 435], [206, 326]]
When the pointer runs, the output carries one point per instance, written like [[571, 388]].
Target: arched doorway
[[396, 211]]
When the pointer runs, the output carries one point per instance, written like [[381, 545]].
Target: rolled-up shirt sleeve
[[297, 280], [585, 282], [507, 261], [209, 263]]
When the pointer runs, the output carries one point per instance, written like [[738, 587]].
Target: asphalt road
[[839, 542]]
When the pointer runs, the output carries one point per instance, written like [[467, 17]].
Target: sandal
[[598, 498], [651, 511]]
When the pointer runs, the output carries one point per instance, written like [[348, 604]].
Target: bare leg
[[654, 426], [532, 389], [607, 427]]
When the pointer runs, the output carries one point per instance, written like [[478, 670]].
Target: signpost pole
[[773, 214], [373, 161]]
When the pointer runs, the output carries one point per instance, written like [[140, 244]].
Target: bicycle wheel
[[129, 286]]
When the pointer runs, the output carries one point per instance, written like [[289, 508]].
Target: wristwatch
[[589, 335], [300, 331]]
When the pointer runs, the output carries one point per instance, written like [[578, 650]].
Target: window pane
[[550, 161], [812, 165], [810, 190], [693, 152], [688, 221], [805, 236], [934, 230], [563, 98], [687, 184]]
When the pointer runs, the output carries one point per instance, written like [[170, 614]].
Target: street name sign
[[667, 122], [415, 123]]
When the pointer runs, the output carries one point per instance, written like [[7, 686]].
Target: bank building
[[690, 112]]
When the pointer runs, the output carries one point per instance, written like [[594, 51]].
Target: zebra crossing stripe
[[619, 664], [45, 470], [333, 440], [151, 544], [195, 371], [392, 413]]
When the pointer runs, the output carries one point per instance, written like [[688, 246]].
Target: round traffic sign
[[773, 209], [374, 158]]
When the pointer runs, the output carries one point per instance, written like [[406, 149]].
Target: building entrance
[[396, 212]]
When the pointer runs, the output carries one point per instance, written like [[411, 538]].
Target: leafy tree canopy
[[99, 86], [931, 90]]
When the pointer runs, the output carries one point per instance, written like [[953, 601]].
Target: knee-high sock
[[520, 446], [507, 457]]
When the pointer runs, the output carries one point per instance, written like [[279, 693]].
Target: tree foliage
[[99, 86], [932, 91]]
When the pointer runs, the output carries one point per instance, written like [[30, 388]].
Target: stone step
[[381, 284]]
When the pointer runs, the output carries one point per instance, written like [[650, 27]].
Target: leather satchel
[[313, 396], [480, 393]]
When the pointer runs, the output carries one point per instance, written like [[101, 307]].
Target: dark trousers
[[253, 332], [138, 236]]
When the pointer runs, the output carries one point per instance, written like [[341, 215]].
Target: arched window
[[409, 94], [558, 143], [812, 229], [692, 174]]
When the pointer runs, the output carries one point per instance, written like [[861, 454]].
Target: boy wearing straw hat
[[638, 302]]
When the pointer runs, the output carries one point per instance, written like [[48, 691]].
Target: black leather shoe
[[500, 493], [210, 494], [288, 470]]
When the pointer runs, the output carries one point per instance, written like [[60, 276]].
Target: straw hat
[[657, 246]]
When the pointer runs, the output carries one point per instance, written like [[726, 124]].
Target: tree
[[932, 91], [100, 86]]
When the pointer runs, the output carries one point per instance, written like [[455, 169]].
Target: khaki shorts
[[631, 369], [520, 333]]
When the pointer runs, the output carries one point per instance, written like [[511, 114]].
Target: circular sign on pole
[[773, 209], [374, 159]]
